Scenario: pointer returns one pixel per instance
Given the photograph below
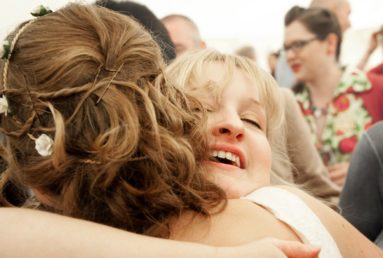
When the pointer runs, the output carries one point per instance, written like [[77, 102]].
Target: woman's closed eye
[[252, 122]]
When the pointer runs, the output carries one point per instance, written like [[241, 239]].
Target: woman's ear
[[332, 43]]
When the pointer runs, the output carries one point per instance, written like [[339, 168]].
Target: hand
[[338, 172], [373, 41], [371, 48], [272, 248]]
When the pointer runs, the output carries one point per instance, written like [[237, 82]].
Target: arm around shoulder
[[30, 233], [241, 222]]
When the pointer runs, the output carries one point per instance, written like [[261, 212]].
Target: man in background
[[341, 8], [183, 32]]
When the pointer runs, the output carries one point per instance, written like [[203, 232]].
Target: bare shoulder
[[241, 221], [350, 241]]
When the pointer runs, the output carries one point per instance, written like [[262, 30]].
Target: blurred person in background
[[183, 32], [272, 60], [342, 10], [361, 200], [376, 40], [146, 18], [338, 104], [247, 51]]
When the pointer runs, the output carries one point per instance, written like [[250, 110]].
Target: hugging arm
[[29, 233]]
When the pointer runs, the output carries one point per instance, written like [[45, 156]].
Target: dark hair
[[146, 18], [319, 21], [127, 149]]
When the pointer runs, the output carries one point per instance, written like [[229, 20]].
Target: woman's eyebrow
[[254, 102]]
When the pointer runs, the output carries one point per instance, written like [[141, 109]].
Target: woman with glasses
[[338, 104]]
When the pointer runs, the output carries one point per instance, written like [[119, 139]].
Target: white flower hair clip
[[43, 144], [3, 105], [41, 10]]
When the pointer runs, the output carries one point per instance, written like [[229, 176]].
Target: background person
[[361, 200], [145, 17], [341, 9], [338, 105], [183, 32], [247, 51]]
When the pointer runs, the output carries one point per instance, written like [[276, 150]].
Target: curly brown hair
[[128, 150]]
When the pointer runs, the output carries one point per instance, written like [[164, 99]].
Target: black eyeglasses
[[297, 45]]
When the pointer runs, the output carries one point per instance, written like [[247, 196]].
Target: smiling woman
[[236, 111], [243, 109]]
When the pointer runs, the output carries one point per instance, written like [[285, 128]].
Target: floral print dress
[[346, 118]]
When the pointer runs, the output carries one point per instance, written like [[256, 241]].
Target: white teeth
[[227, 155]]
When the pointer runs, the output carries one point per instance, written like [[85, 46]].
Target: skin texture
[[32, 236]]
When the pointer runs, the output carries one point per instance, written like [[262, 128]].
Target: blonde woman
[[243, 109]]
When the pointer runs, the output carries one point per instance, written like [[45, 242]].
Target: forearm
[[26, 233], [364, 60]]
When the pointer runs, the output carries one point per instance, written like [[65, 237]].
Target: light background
[[229, 24]]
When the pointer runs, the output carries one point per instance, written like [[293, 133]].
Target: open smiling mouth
[[225, 157]]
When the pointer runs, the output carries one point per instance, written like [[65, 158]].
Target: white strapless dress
[[290, 209]]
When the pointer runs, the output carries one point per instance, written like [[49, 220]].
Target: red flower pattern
[[347, 145], [346, 119], [341, 103]]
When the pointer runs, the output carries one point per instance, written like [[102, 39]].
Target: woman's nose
[[289, 54], [231, 128]]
